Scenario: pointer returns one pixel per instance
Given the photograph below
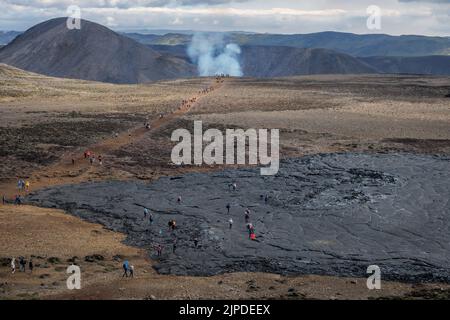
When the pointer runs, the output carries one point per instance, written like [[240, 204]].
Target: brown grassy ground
[[45, 122], [338, 113]]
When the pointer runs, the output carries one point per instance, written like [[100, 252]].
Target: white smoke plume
[[213, 56]]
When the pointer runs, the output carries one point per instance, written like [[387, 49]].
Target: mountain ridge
[[92, 53]]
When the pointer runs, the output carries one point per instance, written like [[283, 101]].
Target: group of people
[[91, 156], [17, 199], [128, 270], [22, 265], [23, 185], [250, 227], [172, 224], [188, 103], [207, 90], [221, 77]]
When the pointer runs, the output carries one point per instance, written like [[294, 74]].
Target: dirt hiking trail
[[64, 171]]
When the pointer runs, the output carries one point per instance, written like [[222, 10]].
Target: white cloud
[[275, 16]]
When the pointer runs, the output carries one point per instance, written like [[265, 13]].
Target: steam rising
[[213, 56]]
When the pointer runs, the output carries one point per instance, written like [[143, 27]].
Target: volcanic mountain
[[278, 61], [92, 52]]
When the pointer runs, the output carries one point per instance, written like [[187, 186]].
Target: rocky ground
[[330, 214]]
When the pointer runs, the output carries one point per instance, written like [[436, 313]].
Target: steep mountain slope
[[92, 53], [270, 61], [7, 36]]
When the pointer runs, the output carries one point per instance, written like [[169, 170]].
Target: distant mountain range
[[92, 53], [278, 61], [273, 61], [98, 53], [365, 45], [353, 44], [7, 36]]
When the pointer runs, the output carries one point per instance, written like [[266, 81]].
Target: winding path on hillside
[[64, 172]]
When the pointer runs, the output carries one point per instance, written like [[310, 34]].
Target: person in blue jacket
[[125, 268]]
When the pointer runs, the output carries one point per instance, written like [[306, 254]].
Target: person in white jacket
[[13, 265]]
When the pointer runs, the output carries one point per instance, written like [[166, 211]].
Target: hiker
[[27, 185], [91, 160], [31, 265], [22, 264], [251, 230], [174, 246], [196, 242], [159, 250], [132, 271], [228, 208], [179, 199], [151, 218], [125, 267], [18, 200], [145, 212], [3, 200], [266, 198], [85, 155], [100, 160], [20, 184], [172, 225], [234, 186], [13, 265], [73, 160], [230, 223]]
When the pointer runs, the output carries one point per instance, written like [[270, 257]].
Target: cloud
[[274, 16], [122, 4], [431, 1]]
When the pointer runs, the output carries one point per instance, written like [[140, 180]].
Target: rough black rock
[[325, 214]]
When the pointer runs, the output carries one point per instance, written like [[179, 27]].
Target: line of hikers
[[22, 265], [221, 78], [207, 90], [188, 103]]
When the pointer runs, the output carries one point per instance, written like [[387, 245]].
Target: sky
[[424, 17]]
